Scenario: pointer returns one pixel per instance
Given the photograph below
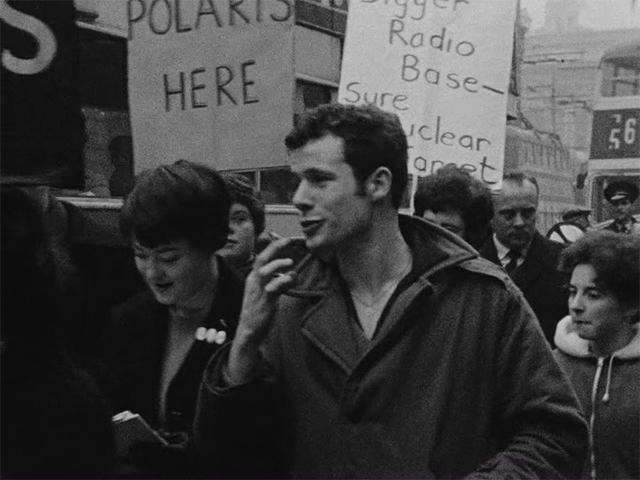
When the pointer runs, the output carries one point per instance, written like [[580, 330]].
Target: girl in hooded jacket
[[598, 346]]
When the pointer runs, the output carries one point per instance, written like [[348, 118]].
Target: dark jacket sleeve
[[55, 424], [235, 431], [543, 430]]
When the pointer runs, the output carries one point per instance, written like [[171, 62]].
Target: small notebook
[[130, 428]]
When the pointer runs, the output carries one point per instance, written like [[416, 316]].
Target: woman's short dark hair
[[372, 138], [615, 257], [185, 200], [244, 193], [452, 188]]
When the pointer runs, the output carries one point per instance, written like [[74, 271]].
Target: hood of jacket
[[568, 341], [433, 248]]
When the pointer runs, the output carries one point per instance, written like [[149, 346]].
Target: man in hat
[[621, 196], [575, 221]]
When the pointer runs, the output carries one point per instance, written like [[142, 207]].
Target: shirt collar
[[503, 251]]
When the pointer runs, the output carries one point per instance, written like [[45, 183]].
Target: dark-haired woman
[[158, 342], [598, 346], [457, 202], [246, 224]]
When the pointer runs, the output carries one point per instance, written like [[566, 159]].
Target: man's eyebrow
[[316, 171]]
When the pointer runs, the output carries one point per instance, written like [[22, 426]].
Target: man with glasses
[[621, 196], [528, 257]]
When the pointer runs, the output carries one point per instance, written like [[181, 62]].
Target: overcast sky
[[596, 14]]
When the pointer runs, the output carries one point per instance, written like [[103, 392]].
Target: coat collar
[[568, 341], [324, 320], [433, 249]]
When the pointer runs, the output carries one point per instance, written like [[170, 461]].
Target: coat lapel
[[325, 322], [325, 313], [325, 325], [532, 268]]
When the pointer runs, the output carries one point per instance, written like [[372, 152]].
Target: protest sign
[[443, 66], [210, 81]]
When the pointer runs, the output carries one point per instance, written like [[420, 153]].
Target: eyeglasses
[[620, 202]]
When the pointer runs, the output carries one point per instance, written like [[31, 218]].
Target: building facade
[[559, 74]]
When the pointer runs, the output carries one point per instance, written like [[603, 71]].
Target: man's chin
[[319, 249], [519, 242]]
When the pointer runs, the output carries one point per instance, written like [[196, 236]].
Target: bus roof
[[629, 50]]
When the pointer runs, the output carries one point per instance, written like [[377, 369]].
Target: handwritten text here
[[443, 66], [210, 81]]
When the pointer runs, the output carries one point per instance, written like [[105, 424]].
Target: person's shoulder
[[488, 250], [137, 322], [140, 301], [546, 249], [483, 267], [132, 312]]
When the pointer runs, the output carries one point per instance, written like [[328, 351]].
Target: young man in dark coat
[[528, 257], [392, 350]]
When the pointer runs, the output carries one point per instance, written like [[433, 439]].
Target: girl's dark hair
[[185, 200], [615, 257], [452, 188], [244, 193]]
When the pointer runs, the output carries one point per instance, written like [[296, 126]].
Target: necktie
[[513, 262]]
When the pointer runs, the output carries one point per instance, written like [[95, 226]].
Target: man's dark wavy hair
[[615, 257], [185, 200], [372, 138]]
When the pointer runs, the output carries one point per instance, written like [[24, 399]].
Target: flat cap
[[575, 212]]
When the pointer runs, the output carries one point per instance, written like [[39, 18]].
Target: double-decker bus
[[615, 138]]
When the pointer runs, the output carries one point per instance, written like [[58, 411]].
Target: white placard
[[443, 66], [211, 81]]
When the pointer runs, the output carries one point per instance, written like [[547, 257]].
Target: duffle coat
[[609, 390], [458, 381]]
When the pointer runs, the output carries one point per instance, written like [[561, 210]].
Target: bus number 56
[[629, 132]]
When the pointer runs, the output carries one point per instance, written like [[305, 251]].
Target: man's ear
[[378, 184]]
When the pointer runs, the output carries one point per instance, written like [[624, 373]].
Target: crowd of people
[[456, 342]]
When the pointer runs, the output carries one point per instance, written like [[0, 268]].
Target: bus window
[[621, 76]]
